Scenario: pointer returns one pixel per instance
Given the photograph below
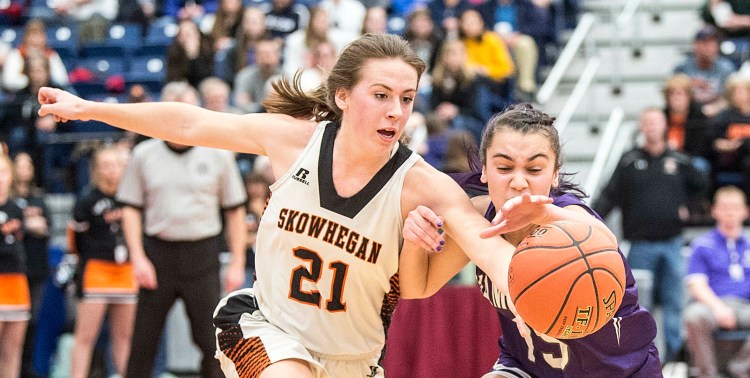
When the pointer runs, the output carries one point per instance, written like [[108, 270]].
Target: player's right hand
[[62, 105], [424, 228]]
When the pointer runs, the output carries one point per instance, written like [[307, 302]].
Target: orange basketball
[[566, 279]]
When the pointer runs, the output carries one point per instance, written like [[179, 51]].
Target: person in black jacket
[[652, 185]]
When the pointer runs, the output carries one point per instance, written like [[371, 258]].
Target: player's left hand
[[235, 277], [517, 213]]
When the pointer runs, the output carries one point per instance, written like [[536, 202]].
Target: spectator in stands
[[299, 45], [227, 22], [22, 126], [258, 192], [446, 14], [731, 16], [29, 197], [143, 12], [166, 187], [226, 25], [190, 57], [33, 42], [14, 288], [729, 136], [490, 59], [513, 20], [707, 70], [455, 90], [323, 59], [188, 9], [215, 94], [250, 83], [652, 185], [687, 125], [242, 54], [284, 17], [687, 129], [718, 281], [376, 20], [92, 16], [106, 286], [460, 146], [346, 15], [423, 36]]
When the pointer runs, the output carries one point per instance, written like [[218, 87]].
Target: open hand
[[424, 228], [517, 213]]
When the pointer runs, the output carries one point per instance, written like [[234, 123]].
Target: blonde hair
[[678, 81]]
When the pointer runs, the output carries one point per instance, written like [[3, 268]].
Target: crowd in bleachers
[[102, 50]]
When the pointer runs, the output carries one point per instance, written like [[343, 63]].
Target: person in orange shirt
[[488, 56]]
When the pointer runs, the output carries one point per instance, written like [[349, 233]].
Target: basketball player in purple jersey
[[520, 153]]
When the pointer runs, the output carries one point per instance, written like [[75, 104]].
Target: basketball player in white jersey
[[328, 244]]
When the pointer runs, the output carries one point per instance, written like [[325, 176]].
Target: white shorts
[[500, 370], [247, 343]]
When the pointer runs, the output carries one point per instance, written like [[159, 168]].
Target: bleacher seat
[[148, 70], [121, 40], [64, 39], [160, 34], [11, 34], [103, 67]]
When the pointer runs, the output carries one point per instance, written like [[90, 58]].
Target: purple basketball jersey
[[624, 347]]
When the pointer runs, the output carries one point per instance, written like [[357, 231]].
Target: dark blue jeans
[[664, 259]]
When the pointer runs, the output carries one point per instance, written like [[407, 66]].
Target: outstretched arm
[[184, 123]]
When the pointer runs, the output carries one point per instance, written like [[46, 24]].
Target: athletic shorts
[[15, 301], [247, 343], [108, 282]]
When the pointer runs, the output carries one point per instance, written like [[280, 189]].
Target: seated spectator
[[250, 83], [225, 25], [686, 124], [190, 57], [732, 17], [21, 128], [729, 135], [323, 58], [376, 21], [346, 15], [718, 281], [298, 45], [188, 9], [488, 56], [242, 54], [687, 129], [33, 42], [707, 70], [446, 14], [284, 17], [460, 146], [215, 95], [455, 91], [508, 18], [423, 36], [92, 16]]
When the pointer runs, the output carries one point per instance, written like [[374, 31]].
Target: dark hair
[[524, 119], [289, 97]]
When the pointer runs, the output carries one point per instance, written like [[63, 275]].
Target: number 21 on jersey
[[311, 270]]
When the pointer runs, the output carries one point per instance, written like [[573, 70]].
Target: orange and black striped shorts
[[108, 281]]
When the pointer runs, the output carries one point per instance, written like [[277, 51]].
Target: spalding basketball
[[566, 279]]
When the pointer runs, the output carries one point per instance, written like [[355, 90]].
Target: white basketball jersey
[[326, 265]]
